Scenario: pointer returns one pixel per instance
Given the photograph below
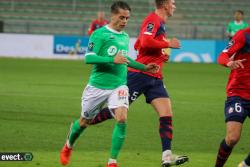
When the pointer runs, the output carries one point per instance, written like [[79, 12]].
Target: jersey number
[[237, 107], [134, 96]]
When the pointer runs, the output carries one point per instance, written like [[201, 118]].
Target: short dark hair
[[119, 5], [159, 3], [239, 11]]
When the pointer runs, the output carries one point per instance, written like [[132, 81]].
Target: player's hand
[[120, 59], [152, 68], [234, 64], [174, 43]]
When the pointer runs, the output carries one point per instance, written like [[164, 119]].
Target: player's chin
[[171, 13]]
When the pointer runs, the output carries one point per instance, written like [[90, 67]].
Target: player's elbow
[[218, 60], [223, 58], [87, 59]]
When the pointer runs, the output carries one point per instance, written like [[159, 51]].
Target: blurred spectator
[[99, 22], [237, 24]]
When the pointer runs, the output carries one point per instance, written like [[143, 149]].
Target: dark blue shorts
[[139, 83], [237, 109]]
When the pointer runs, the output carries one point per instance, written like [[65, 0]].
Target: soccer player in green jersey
[[107, 51], [237, 24]]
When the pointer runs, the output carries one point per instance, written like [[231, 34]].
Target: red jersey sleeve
[[91, 27], [237, 42], [148, 33]]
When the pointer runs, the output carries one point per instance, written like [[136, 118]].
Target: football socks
[[118, 138]]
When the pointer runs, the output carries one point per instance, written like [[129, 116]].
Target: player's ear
[[112, 16], [165, 5]]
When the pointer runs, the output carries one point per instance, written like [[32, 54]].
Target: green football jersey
[[106, 43], [233, 27]]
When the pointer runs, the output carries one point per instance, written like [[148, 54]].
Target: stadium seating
[[193, 19]]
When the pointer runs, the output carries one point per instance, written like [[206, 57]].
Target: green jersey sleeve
[[92, 55], [228, 30], [134, 64]]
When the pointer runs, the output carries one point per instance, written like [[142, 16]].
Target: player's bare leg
[[118, 136], [227, 144], [163, 107]]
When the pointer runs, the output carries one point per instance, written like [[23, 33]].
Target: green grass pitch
[[39, 99]]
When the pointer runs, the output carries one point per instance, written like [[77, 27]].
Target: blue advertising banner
[[197, 51], [191, 51], [70, 45]]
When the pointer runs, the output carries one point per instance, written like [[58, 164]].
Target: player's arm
[[228, 31], [92, 57], [151, 67], [91, 28], [148, 38], [136, 65], [226, 58]]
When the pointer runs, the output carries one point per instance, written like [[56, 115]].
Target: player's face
[[170, 7], [120, 19], [238, 16], [100, 15]]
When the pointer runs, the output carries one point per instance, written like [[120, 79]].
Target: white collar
[[238, 23], [112, 30]]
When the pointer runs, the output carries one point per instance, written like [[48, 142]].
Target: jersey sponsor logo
[[150, 27], [112, 50], [91, 46], [122, 94]]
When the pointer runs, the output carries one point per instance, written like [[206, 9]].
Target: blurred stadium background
[[194, 19]]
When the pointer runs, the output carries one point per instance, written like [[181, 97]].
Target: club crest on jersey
[[91, 46], [112, 50], [150, 27], [111, 37], [230, 44]]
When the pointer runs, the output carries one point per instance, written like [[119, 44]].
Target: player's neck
[[238, 21], [162, 14], [113, 29]]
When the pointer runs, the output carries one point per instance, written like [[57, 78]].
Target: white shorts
[[93, 100]]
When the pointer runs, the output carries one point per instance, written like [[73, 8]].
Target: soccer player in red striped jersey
[[150, 45], [236, 56], [98, 23]]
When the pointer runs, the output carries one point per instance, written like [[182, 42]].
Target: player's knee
[[84, 122], [121, 119], [121, 114], [232, 140]]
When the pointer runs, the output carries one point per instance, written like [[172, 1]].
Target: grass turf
[[39, 99]]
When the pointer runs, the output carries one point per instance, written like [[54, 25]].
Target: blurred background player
[[97, 23], [150, 44], [237, 24], [107, 51], [237, 106]]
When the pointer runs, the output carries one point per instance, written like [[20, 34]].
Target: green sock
[[118, 138], [74, 133]]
